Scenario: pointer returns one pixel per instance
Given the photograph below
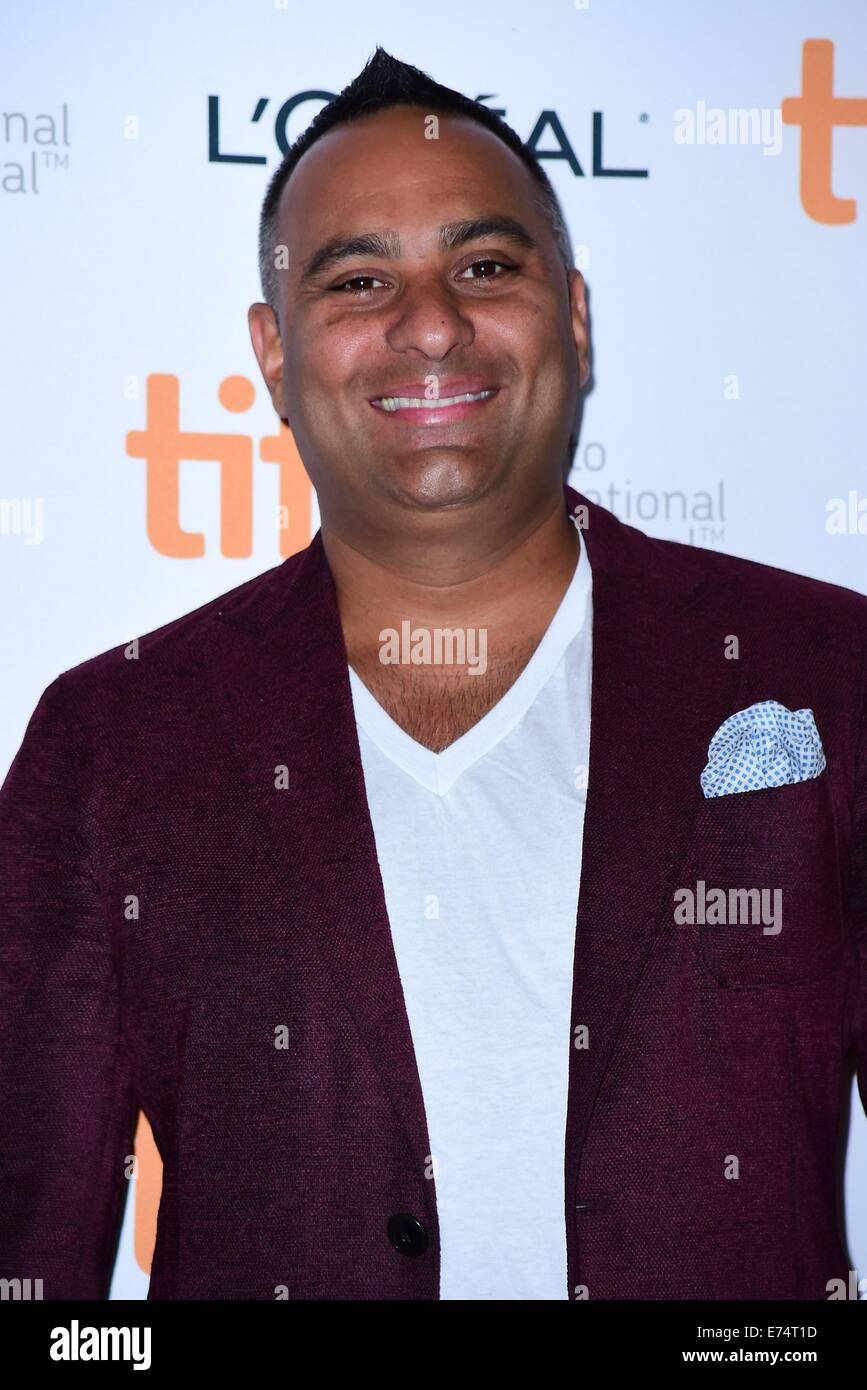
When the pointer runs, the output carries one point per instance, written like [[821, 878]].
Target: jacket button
[[407, 1234]]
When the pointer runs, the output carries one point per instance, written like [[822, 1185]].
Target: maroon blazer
[[168, 906]]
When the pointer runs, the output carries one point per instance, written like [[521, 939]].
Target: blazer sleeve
[[67, 1109]]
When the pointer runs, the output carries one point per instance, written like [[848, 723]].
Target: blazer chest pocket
[[767, 898]]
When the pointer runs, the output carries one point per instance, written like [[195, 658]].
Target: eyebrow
[[452, 235]]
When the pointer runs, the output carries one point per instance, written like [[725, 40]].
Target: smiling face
[[420, 270]]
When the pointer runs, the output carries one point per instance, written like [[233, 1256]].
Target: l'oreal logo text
[[548, 127]]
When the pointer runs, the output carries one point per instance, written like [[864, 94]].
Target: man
[[311, 882]]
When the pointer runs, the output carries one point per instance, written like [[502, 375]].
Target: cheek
[[535, 334], [338, 366], [326, 354]]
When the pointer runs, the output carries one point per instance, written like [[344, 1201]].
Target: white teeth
[[417, 403]]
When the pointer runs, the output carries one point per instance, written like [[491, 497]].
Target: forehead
[[384, 171]]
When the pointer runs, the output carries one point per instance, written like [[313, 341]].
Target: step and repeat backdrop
[[711, 160]]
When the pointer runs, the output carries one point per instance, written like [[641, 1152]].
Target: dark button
[[407, 1234]]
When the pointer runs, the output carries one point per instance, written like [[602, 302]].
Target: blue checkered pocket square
[[765, 745]]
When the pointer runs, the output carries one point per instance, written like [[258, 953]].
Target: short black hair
[[384, 82]]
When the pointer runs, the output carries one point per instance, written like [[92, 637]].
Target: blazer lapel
[[660, 685], [282, 686]]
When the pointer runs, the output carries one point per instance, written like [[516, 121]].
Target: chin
[[440, 483]]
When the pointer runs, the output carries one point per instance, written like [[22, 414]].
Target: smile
[[423, 403]]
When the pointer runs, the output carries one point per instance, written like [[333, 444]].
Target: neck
[[512, 590]]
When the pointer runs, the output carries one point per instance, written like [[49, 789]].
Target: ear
[[268, 347], [578, 310]]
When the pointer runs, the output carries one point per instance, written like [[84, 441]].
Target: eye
[[487, 261], [356, 280]]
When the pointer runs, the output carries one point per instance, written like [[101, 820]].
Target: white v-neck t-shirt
[[479, 847]]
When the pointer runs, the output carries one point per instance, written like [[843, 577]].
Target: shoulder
[[169, 656], [671, 569], [774, 591]]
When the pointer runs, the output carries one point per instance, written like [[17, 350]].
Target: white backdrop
[[728, 311]]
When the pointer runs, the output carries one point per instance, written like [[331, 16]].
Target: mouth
[[421, 410]]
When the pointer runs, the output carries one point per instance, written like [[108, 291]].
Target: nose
[[429, 317]]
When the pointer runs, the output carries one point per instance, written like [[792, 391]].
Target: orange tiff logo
[[163, 445], [817, 111]]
